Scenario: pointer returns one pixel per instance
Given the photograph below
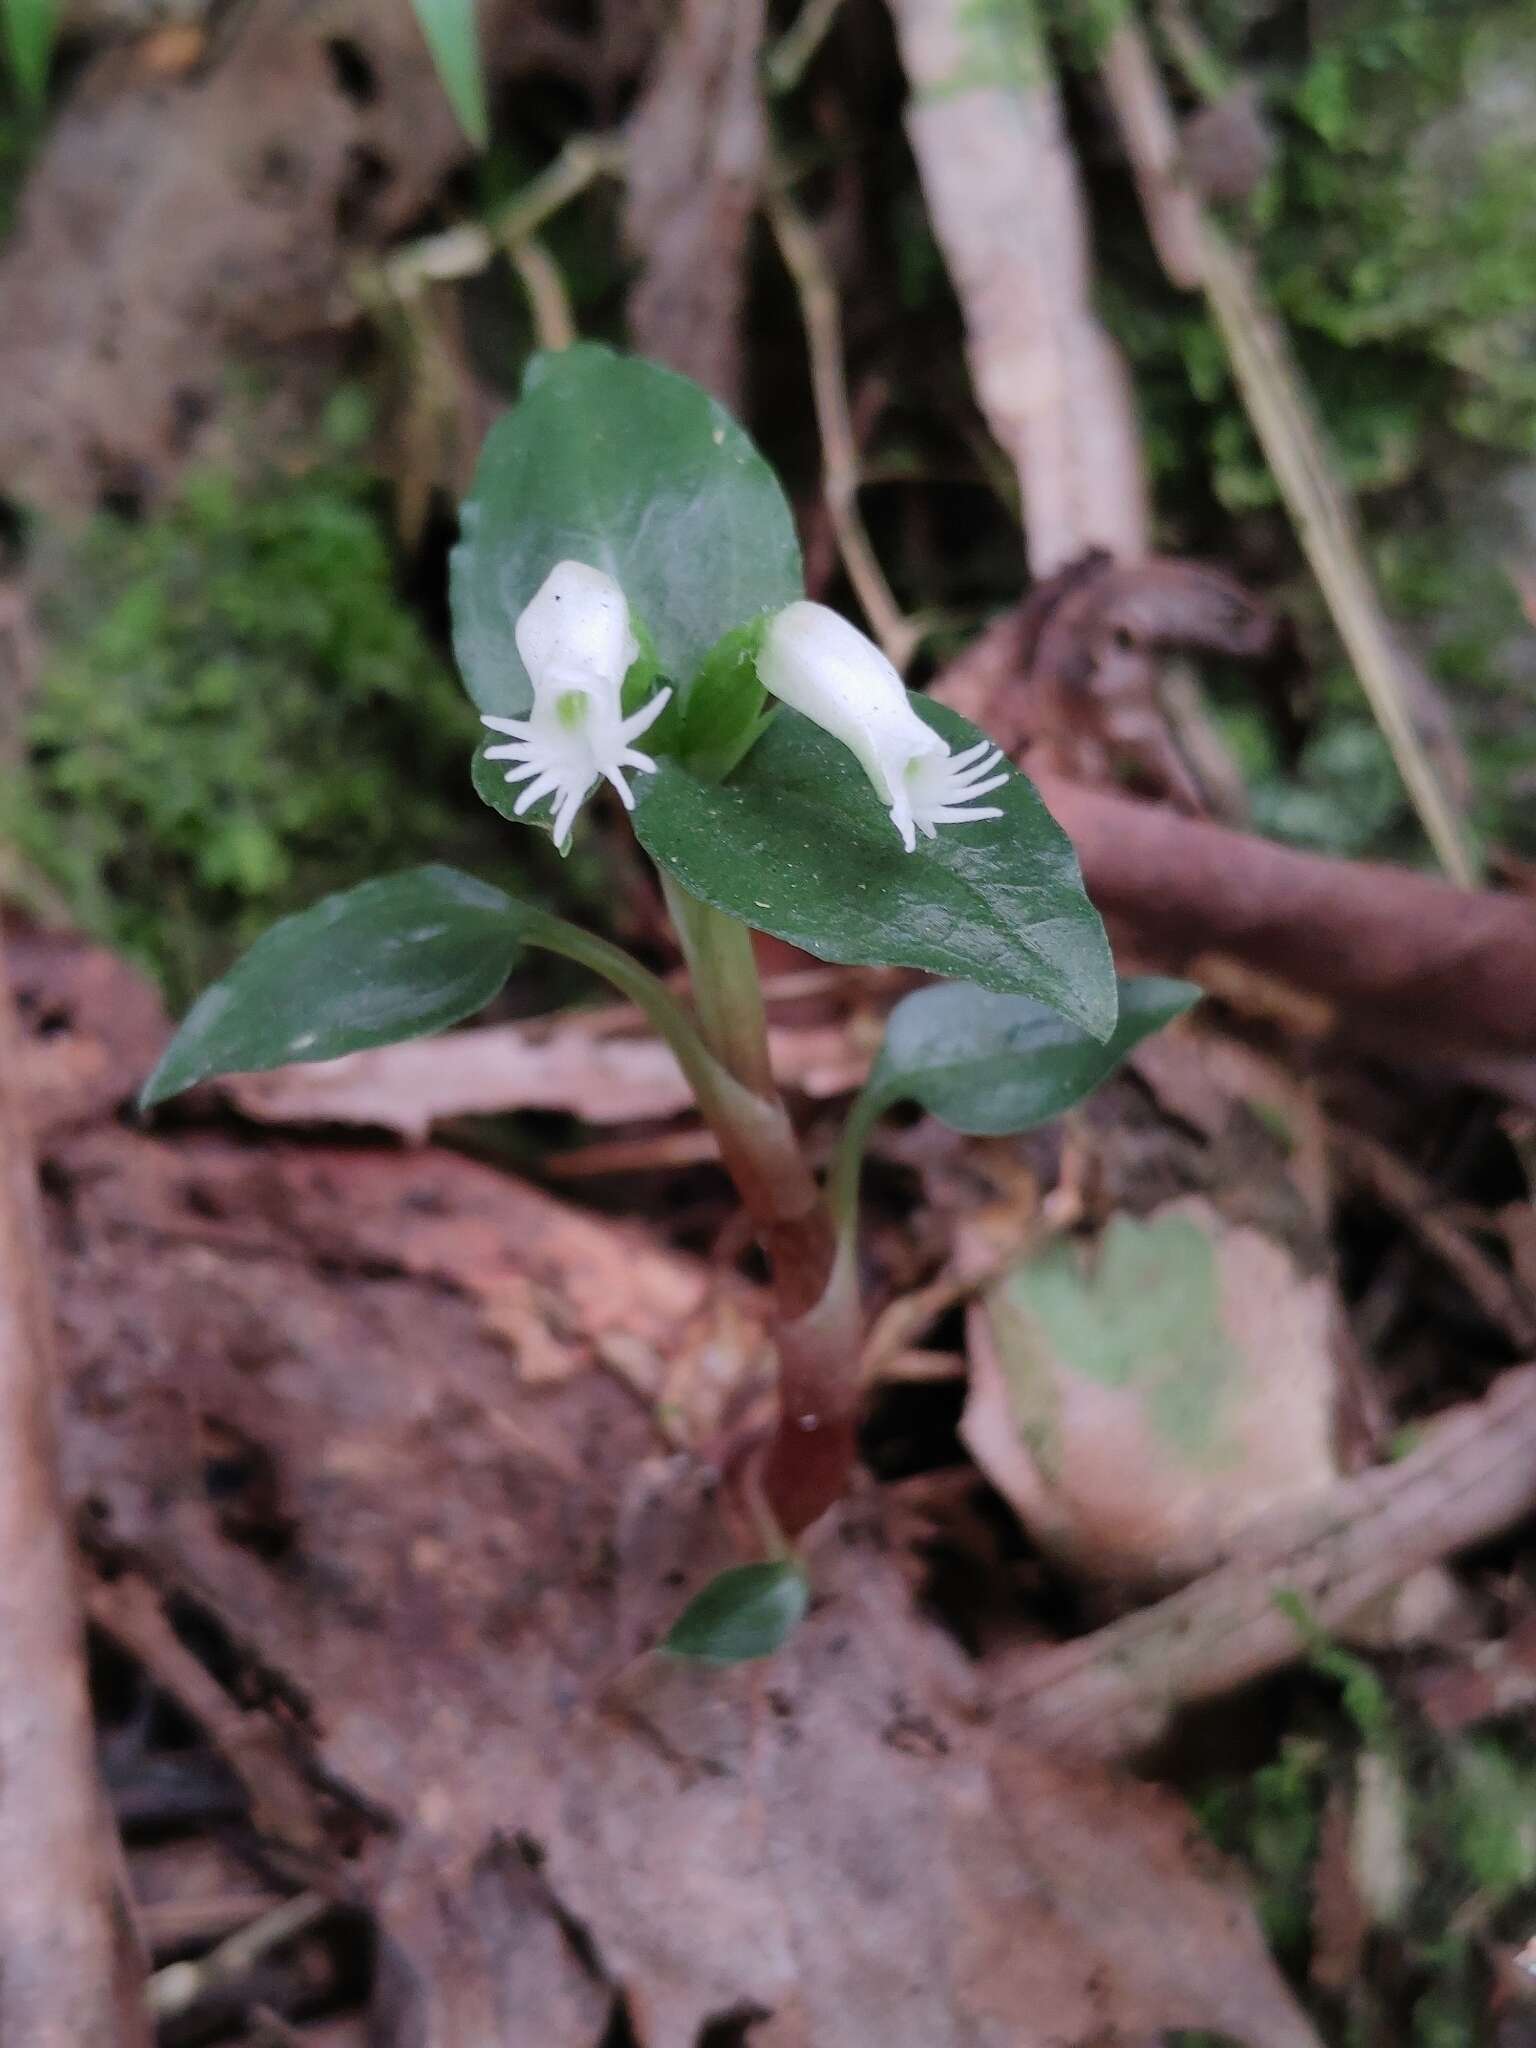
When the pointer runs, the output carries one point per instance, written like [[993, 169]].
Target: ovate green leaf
[[989, 1064], [615, 462], [396, 958], [796, 843]]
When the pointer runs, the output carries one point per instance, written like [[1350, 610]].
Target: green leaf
[[615, 462], [989, 1064], [721, 710], [454, 40], [29, 27], [798, 844], [396, 958], [746, 1612]]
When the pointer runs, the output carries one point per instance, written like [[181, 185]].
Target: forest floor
[[1157, 392]]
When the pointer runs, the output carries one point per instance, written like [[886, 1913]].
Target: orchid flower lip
[[825, 668], [577, 645]]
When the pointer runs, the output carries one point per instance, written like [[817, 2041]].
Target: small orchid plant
[[628, 572]]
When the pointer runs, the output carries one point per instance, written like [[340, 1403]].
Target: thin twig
[[821, 314], [1204, 72], [786, 63], [70, 1967], [179, 1986], [548, 300], [1113, 1692], [1415, 1203], [1195, 249], [466, 250]]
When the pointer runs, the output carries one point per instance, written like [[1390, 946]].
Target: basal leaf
[[615, 462], [796, 843], [989, 1064], [746, 1612], [396, 958]]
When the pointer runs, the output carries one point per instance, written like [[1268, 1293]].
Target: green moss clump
[[238, 713], [1271, 1819], [1411, 185]]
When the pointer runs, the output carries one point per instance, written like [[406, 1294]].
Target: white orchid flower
[[577, 645], [822, 666]]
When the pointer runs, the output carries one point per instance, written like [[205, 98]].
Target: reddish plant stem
[[808, 1463], [819, 1332]]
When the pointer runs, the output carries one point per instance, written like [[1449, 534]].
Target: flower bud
[[820, 665]]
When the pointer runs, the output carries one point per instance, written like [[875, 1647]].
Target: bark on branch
[[70, 1969], [1113, 1692]]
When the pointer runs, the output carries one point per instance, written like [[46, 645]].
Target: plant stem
[[726, 990], [806, 1466], [807, 1240]]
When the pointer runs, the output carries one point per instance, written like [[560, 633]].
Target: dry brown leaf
[[1142, 1404], [560, 1289], [594, 1065], [697, 143], [448, 1622]]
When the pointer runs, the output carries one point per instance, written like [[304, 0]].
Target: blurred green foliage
[[1469, 1843], [238, 713], [1393, 234]]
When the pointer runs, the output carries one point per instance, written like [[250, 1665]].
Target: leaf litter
[[435, 1579]]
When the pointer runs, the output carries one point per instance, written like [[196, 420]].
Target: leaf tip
[[746, 1612]]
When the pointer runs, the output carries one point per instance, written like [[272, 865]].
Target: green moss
[[238, 713], [1410, 185], [1271, 1819]]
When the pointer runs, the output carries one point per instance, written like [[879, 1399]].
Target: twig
[[1415, 1203], [1195, 250], [1204, 72], [465, 251], [70, 1967], [284, 1807], [785, 65], [1114, 1692], [1006, 200], [179, 1986], [550, 303], [822, 316]]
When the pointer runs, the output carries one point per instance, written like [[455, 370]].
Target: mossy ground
[[1440, 1848], [238, 711], [1393, 234]]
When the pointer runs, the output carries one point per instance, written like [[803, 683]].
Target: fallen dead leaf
[[561, 1290], [1140, 1403], [448, 1621], [600, 1066]]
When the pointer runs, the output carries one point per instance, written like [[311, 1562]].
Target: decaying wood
[[1413, 963], [1113, 1693], [71, 1970], [1008, 208], [695, 164], [1093, 700]]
